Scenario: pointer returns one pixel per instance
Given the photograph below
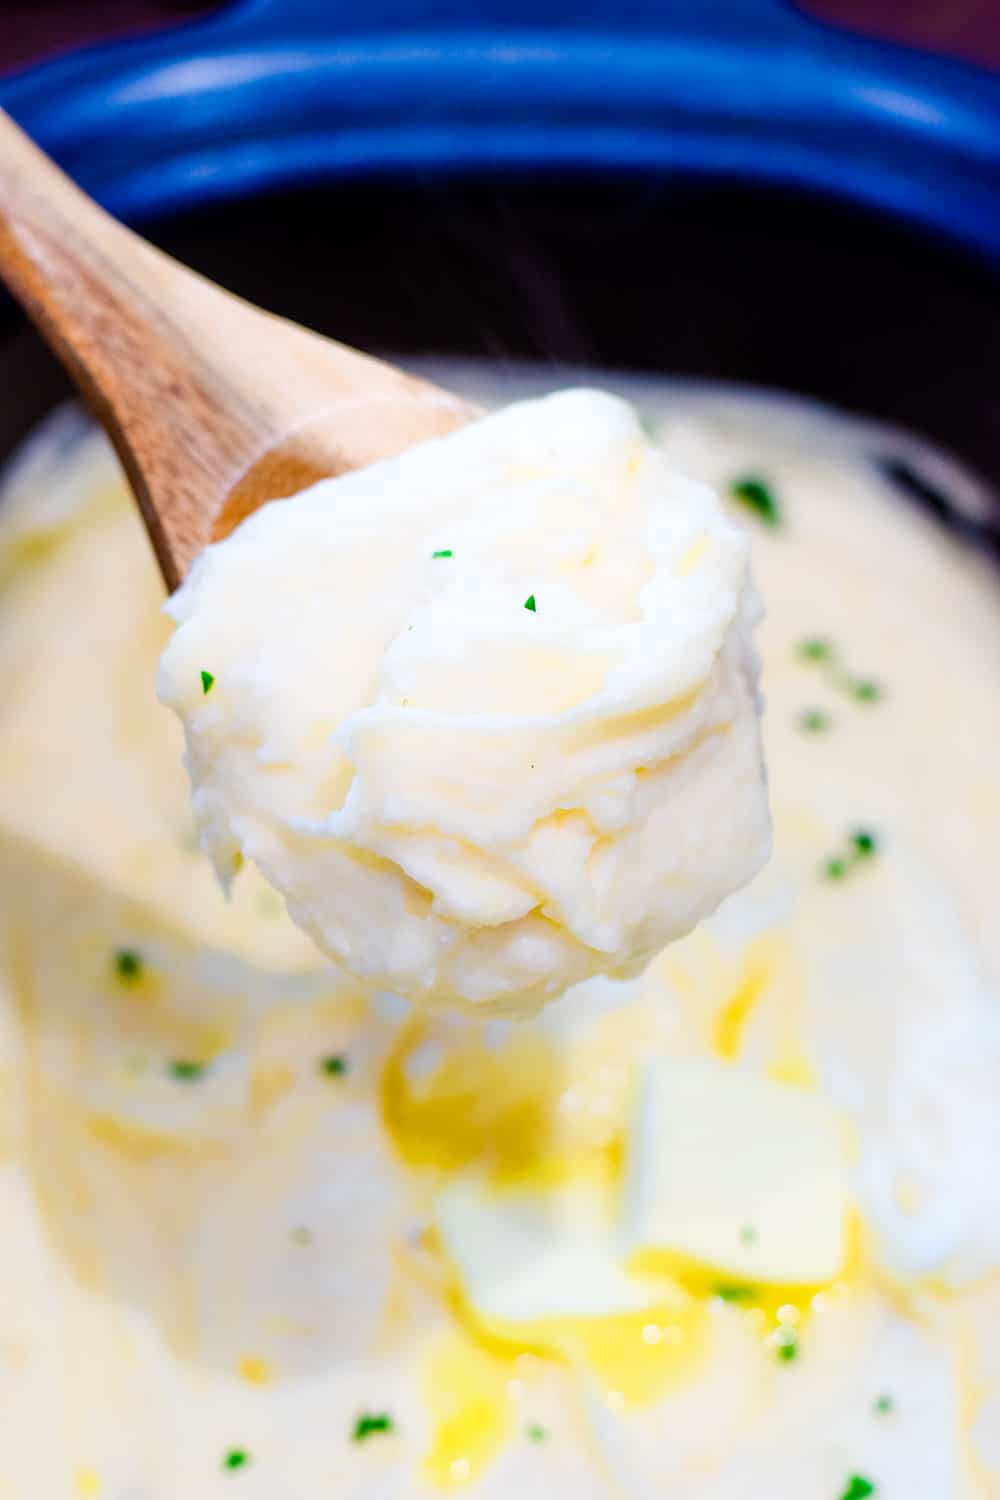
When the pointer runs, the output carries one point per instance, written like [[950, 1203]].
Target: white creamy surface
[[484, 713], [241, 1196]]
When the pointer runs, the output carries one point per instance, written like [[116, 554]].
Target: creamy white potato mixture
[[729, 1229], [485, 713]]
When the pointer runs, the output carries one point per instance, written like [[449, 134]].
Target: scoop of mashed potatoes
[[486, 713]]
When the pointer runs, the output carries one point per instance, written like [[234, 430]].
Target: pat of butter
[[523, 1255], [738, 1173]]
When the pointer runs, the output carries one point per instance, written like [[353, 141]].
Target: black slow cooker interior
[[711, 279]]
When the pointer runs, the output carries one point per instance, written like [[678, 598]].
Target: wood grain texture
[[214, 407]]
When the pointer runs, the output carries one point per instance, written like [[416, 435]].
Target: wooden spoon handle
[[94, 291], [212, 405]]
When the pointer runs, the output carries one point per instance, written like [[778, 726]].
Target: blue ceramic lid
[[274, 92]]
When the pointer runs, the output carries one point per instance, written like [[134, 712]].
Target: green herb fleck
[[370, 1423], [128, 964], [535, 1433], [748, 1234], [334, 1066], [787, 1345], [862, 845], [884, 1405], [734, 1293], [185, 1070], [814, 721], [529, 603], [757, 495], [301, 1235], [858, 1488], [236, 1458], [861, 689], [444, 552], [206, 682]]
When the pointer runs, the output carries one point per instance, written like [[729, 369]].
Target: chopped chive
[[757, 495], [236, 1458], [529, 603], [370, 1423], [206, 682], [128, 964], [535, 1433], [858, 1488], [814, 721], [185, 1070], [734, 1293], [884, 1405], [748, 1234], [334, 1066], [789, 1351], [444, 552], [861, 689], [862, 845]]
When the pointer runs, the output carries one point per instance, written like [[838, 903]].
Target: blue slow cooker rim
[[261, 95]]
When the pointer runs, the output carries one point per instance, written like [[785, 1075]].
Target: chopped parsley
[[334, 1066], [236, 1458], [814, 721], [884, 1405], [443, 552], [128, 964], [734, 1293], [788, 1349], [862, 846], [207, 681], [748, 1234], [535, 1433], [757, 495], [529, 603], [858, 1488], [861, 689], [185, 1070], [370, 1423]]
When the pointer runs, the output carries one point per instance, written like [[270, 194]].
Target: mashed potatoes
[[725, 1230], [484, 714]]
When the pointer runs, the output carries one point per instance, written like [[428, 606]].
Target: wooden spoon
[[214, 406]]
